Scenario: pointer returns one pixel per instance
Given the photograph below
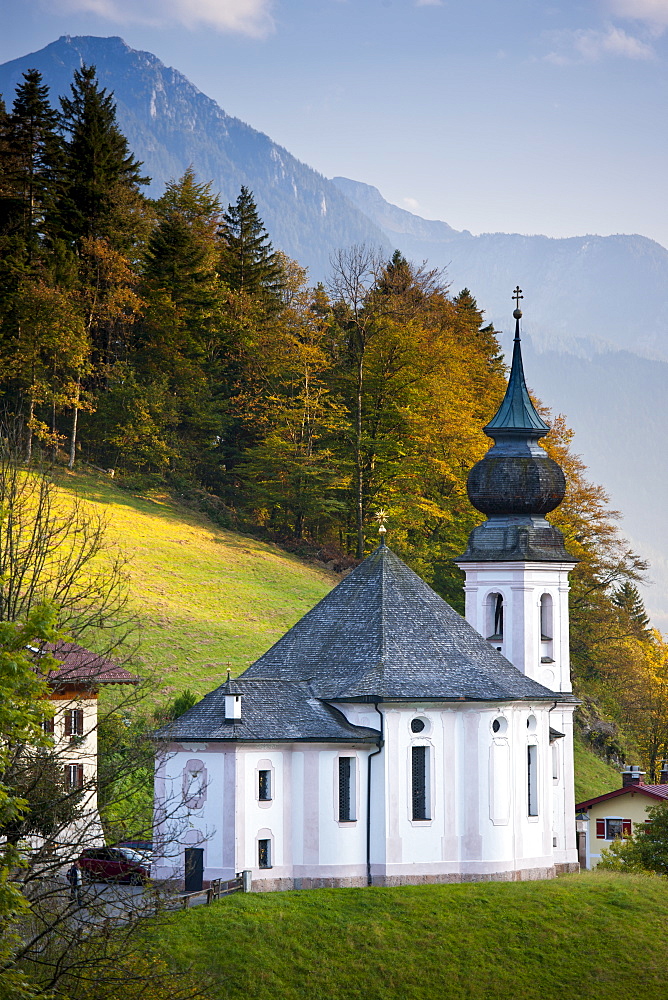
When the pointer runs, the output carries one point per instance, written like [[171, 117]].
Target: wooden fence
[[216, 890]]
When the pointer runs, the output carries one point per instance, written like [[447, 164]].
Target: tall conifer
[[101, 178], [248, 263], [35, 150]]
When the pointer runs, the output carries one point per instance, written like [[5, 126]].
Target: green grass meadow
[[592, 775], [205, 597], [595, 936]]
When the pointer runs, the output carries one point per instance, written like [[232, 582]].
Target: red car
[[114, 864]]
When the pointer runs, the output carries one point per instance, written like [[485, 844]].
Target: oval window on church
[[531, 723], [500, 726], [417, 725]]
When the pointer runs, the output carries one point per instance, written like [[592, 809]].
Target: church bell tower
[[515, 563]]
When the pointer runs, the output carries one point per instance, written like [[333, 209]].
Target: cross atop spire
[[517, 416]]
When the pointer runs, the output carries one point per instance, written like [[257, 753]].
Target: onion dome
[[516, 484]]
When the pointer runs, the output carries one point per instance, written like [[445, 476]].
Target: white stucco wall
[[522, 584], [478, 821], [86, 830]]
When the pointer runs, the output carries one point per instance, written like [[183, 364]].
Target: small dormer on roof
[[232, 695]]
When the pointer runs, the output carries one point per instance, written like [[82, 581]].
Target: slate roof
[[517, 414], [383, 633], [270, 710]]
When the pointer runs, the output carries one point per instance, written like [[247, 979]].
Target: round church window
[[531, 723], [417, 725], [500, 726]]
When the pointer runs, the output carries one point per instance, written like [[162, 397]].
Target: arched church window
[[546, 626], [495, 618]]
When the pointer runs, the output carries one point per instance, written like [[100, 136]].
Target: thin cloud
[[591, 45], [411, 203], [246, 17], [428, 3], [653, 13]]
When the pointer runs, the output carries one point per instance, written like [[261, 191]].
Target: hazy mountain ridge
[[583, 293], [170, 124]]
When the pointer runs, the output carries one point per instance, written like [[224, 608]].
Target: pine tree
[[627, 598], [248, 264], [36, 147], [101, 178], [182, 250]]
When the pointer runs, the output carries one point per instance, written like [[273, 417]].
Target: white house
[[74, 689], [384, 739]]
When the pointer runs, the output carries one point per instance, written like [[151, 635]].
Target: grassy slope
[[206, 596], [592, 775], [599, 936]]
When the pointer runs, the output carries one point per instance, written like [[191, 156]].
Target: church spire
[[517, 416], [516, 484]]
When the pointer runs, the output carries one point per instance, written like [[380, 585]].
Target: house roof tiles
[[81, 666], [270, 710], [658, 792]]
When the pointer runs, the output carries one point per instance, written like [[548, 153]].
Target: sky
[[492, 115]]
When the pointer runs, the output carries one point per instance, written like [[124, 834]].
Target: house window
[[613, 829], [264, 786], [74, 722], [48, 726], [74, 776], [419, 763], [264, 853], [532, 780], [347, 790]]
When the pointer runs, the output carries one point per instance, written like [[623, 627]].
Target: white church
[[386, 740]]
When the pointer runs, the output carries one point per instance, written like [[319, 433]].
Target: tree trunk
[[29, 430], [359, 461], [75, 420], [54, 435]]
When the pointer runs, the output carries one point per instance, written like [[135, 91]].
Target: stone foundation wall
[[285, 884], [572, 868], [520, 875]]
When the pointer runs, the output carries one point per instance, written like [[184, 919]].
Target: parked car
[[114, 864]]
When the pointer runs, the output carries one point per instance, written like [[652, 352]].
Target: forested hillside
[[169, 341]]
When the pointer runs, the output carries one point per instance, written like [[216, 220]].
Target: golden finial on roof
[[381, 517]]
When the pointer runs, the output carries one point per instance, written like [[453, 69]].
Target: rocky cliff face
[[170, 124]]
